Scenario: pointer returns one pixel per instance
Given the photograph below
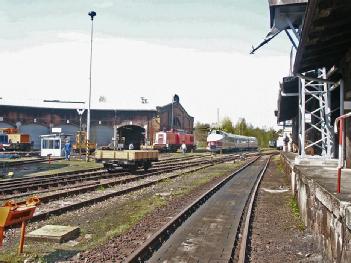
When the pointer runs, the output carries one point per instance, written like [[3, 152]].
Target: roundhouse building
[[138, 125]]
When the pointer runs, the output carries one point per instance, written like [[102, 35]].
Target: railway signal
[[12, 213]]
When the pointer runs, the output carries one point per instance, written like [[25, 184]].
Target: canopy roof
[[288, 105], [326, 35]]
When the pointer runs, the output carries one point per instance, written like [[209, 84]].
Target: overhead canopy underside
[[326, 35], [286, 2], [284, 14], [288, 105], [294, 9]]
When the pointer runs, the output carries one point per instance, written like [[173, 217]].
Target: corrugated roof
[[326, 35], [121, 106]]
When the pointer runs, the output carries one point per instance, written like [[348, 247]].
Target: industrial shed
[[37, 121]]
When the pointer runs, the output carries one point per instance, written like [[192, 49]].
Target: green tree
[[200, 132], [227, 125], [242, 127]]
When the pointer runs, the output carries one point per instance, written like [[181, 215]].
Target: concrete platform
[[323, 210], [54, 233]]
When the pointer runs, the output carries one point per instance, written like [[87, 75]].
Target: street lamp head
[[92, 14]]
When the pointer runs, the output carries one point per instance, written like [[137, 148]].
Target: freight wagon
[[19, 141], [11, 140], [127, 159]]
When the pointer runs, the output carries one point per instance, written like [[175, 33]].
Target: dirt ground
[[278, 233]]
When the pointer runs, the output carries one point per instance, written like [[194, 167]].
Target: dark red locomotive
[[170, 141]]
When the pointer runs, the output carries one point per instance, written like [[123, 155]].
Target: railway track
[[199, 232], [70, 184], [245, 242], [100, 182], [183, 157], [19, 162], [62, 201], [26, 184], [22, 153]]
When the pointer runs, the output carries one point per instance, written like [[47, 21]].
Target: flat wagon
[[128, 159]]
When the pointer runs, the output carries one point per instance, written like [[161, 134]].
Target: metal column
[[316, 89]]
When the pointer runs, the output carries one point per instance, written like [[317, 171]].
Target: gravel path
[[278, 233]]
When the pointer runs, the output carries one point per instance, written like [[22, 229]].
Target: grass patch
[[100, 188], [279, 164], [102, 228], [267, 150], [65, 166], [296, 213], [120, 220], [203, 177]]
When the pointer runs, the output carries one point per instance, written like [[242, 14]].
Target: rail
[[144, 252], [341, 120], [248, 220]]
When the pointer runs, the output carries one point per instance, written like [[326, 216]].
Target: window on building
[[57, 144]]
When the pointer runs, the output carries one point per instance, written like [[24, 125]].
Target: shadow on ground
[[60, 255]]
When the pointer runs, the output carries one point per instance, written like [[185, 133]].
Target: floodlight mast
[[92, 14]]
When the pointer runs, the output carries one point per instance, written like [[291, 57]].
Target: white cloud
[[125, 70]]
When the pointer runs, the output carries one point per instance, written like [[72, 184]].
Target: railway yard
[[122, 172], [177, 211]]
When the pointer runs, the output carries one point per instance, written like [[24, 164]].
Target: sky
[[198, 49]]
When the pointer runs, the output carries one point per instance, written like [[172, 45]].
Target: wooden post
[[23, 232], [2, 236]]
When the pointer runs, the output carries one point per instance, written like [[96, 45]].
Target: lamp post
[[91, 14]]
